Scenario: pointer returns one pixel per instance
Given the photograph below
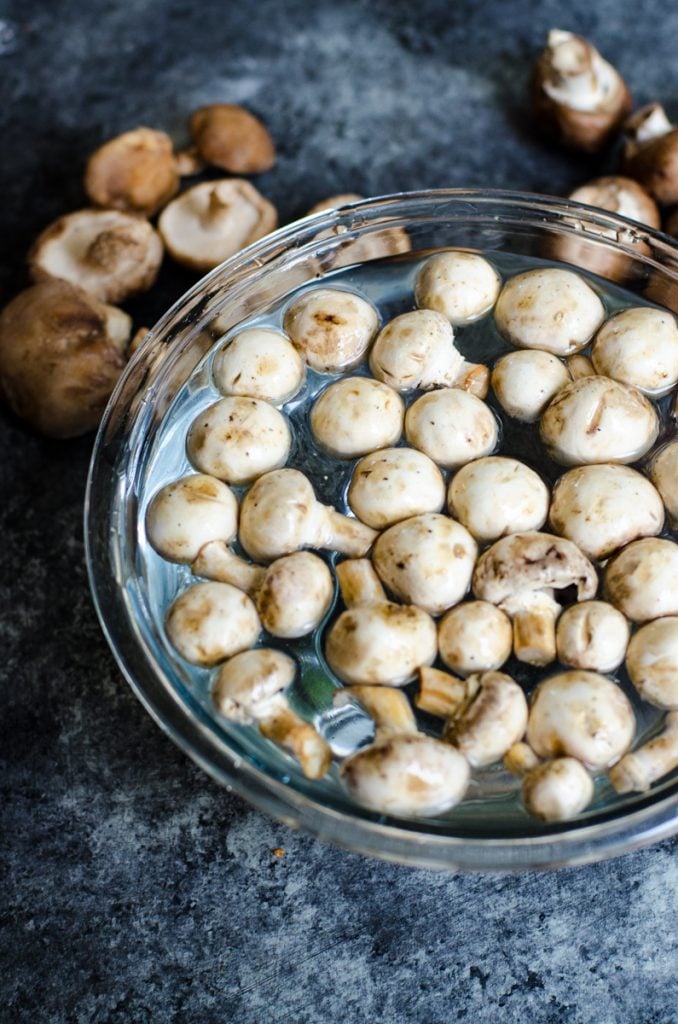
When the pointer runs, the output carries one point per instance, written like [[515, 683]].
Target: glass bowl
[[480, 837]]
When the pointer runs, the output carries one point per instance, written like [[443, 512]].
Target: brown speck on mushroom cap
[[331, 328], [228, 136], [134, 172]]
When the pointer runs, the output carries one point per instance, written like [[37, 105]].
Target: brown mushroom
[[135, 172], [651, 155], [230, 137]]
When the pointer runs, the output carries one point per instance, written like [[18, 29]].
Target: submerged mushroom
[[641, 579], [524, 382], [496, 718], [186, 514], [652, 662], [496, 496], [463, 286], [664, 473], [211, 622], [475, 637], [238, 439], [394, 484], [638, 770], [552, 310], [135, 172], [451, 426], [357, 415], [592, 635], [331, 328], [557, 790], [639, 346], [280, 514], [228, 136], [388, 707], [259, 363]]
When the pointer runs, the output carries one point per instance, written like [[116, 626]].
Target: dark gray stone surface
[[133, 889]]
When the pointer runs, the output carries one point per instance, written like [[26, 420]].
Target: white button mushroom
[[592, 635], [375, 641], [259, 363], [495, 496], [210, 622], [603, 507], [451, 426], [331, 328], [280, 514], [558, 790], [237, 439], [641, 579], [638, 770], [583, 715], [524, 382], [394, 484], [416, 350], [664, 473], [407, 776], [494, 720], [186, 514], [426, 560], [595, 419], [652, 662], [550, 309], [462, 286], [357, 415], [475, 637], [639, 346], [519, 573]]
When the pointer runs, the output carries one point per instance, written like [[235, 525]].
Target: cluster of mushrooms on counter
[[452, 559]]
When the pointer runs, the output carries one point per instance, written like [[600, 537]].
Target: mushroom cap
[[61, 354], [369, 245], [237, 439], [475, 636], [551, 309], [212, 221], [228, 136], [463, 286], [407, 776], [394, 484], [495, 719], [641, 579], [210, 622], [557, 790], [524, 382], [620, 195], [250, 685], [655, 165], [331, 328], [279, 514], [595, 419], [110, 254], [296, 594], [532, 561], [652, 662], [426, 560], [495, 496], [582, 715], [605, 506], [357, 415], [416, 350], [135, 172], [664, 473], [259, 363], [592, 635], [639, 346], [381, 643], [451, 426], [188, 513]]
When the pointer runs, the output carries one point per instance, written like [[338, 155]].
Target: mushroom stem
[[216, 561], [359, 583], [573, 64], [475, 378], [648, 123], [389, 708], [520, 759], [442, 694], [216, 211], [534, 615], [638, 770], [287, 729], [345, 535]]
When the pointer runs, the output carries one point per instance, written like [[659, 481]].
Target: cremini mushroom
[[582, 715], [524, 382], [186, 514], [664, 473], [639, 346], [463, 286], [638, 770], [451, 426], [389, 708], [135, 172], [376, 641], [426, 560], [495, 496], [292, 595], [394, 484], [417, 350], [371, 244], [652, 662], [110, 254], [475, 636], [61, 354], [280, 514], [496, 718], [592, 635], [549, 309], [519, 574], [210, 622], [620, 195], [212, 221], [250, 688], [331, 328], [407, 776], [228, 136], [596, 419], [651, 154], [357, 415], [557, 790], [238, 439], [603, 507], [578, 97], [259, 363], [641, 579]]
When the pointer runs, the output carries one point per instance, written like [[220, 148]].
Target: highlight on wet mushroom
[[331, 328], [210, 622], [238, 439], [135, 172], [641, 580], [259, 363], [357, 415], [592, 635], [393, 484], [463, 286], [475, 636], [652, 662], [525, 381], [451, 426], [495, 496]]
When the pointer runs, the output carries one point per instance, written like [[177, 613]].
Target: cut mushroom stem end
[[442, 694]]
